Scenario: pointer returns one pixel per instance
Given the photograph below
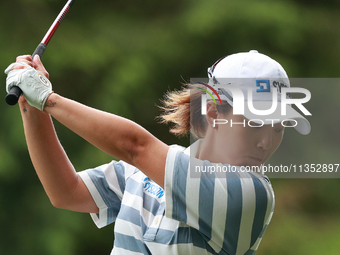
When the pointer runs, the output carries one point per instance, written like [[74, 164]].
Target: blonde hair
[[182, 109]]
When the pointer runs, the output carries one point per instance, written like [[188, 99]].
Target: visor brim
[[261, 114]]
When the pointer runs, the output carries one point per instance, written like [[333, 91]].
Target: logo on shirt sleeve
[[152, 188]]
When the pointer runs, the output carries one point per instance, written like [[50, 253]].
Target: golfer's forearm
[[52, 165], [113, 134]]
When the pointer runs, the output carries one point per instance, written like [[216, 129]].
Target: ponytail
[[182, 109]]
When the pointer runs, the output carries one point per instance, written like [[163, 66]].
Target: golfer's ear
[[211, 112]]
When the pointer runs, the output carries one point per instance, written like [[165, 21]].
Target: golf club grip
[[15, 92], [39, 50]]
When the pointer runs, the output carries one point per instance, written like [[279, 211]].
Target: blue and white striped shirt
[[224, 214]]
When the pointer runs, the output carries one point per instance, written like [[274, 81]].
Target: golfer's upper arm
[[150, 157], [80, 200]]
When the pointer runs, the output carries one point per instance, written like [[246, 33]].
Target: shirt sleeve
[[231, 209], [106, 184]]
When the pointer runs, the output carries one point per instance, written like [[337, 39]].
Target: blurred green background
[[121, 56]]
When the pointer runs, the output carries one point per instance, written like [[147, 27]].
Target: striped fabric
[[224, 214]]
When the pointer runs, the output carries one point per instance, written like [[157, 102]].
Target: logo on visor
[[264, 86]]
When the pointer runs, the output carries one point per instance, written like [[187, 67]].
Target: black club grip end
[[13, 95]]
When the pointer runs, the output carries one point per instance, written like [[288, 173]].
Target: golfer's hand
[[32, 78], [35, 63]]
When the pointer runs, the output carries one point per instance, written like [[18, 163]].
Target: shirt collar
[[194, 148]]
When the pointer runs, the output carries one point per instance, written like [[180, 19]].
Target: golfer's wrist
[[50, 101], [25, 107]]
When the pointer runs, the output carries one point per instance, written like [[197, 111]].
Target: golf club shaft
[[15, 92]]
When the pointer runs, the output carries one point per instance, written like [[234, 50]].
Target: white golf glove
[[35, 86]]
